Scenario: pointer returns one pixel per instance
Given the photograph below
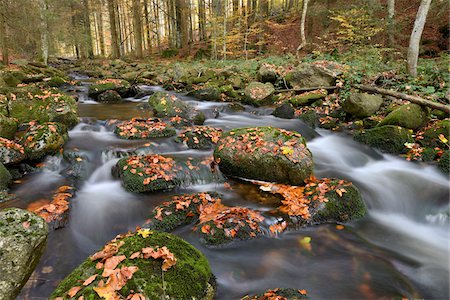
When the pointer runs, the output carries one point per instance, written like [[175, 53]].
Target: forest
[[224, 149]]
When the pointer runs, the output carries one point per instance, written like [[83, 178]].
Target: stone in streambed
[[259, 94], [109, 97], [165, 105], [362, 105], [122, 87], [8, 127], [143, 129], [200, 137], [10, 152], [389, 138], [411, 116], [5, 177]]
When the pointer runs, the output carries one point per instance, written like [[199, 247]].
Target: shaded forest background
[[216, 29]]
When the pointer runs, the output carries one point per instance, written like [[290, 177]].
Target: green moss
[[431, 135], [166, 105], [444, 162], [288, 294], [13, 78], [5, 177], [411, 116], [56, 81], [310, 118], [8, 127], [389, 138], [120, 86], [189, 278], [308, 98], [45, 139]]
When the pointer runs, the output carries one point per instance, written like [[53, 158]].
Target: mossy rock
[[144, 129], [411, 116], [167, 105], [151, 173], [444, 162], [8, 127], [45, 139], [310, 118], [23, 237], [431, 135], [362, 105], [208, 92], [13, 78], [56, 81], [389, 138], [179, 122], [29, 104], [267, 73], [308, 98], [284, 111], [5, 177], [264, 153], [308, 75], [282, 294], [199, 118], [4, 102], [200, 137], [189, 278], [109, 97], [122, 87], [259, 94], [10, 152]]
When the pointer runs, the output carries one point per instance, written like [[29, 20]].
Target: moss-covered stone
[[362, 105], [56, 81], [10, 152], [8, 127], [309, 75], [310, 117], [109, 97], [144, 129], [411, 116], [167, 105], [389, 138], [267, 73], [259, 94], [199, 118], [122, 87], [151, 173], [189, 278], [264, 153], [23, 237], [45, 139], [284, 111], [200, 137], [444, 162], [281, 294], [13, 78], [5, 177], [431, 135], [308, 98], [208, 92]]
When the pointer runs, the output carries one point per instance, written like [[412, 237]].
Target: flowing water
[[401, 249]]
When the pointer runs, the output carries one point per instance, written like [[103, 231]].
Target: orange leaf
[[90, 280], [73, 291]]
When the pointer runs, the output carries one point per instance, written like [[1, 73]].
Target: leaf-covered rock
[[362, 105], [10, 152], [309, 75], [411, 116], [430, 136], [23, 237], [144, 128], [280, 294], [389, 138], [200, 137], [150, 264], [45, 139], [259, 94], [122, 87], [264, 153], [167, 105]]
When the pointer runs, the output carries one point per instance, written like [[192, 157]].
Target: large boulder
[[362, 105], [168, 105], [8, 127], [10, 152], [141, 265], [122, 87], [144, 129], [259, 94], [23, 237], [267, 73], [151, 173], [389, 138], [29, 104], [45, 139], [411, 116], [309, 75], [264, 153], [5, 177]]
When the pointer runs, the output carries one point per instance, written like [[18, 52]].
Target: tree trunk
[[101, 34], [264, 8], [416, 35], [202, 19], [137, 25], [157, 25], [302, 26], [115, 50], [182, 19], [3, 34], [87, 30], [390, 25], [148, 27]]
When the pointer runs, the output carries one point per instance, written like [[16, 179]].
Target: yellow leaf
[[105, 292], [287, 150], [144, 232], [443, 139]]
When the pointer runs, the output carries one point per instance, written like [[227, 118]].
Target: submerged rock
[[151, 173], [259, 94], [362, 105], [23, 237], [144, 128], [45, 139], [389, 138], [264, 153], [147, 264], [411, 116], [10, 152], [167, 105]]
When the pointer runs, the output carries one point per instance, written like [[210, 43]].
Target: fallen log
[[413, 99]]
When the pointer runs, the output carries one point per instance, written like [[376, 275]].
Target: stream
[[400, 249]]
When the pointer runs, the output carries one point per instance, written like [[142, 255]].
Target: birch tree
[[302, 26]]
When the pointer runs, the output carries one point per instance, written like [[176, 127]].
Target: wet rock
[[200, 137], [411, 116], [267, 73], [264, 153], [144, 129], [154, 264], [167, 105], [309, 75], [209, 92], [8, 127], [444, 162], [10, 152], [78, 166], [284, 111], [23, 237], [109, 97], [389, 138], [5, 177], [45, 139], [308, 98], [122, 87], [179, 122], [362, 105], [259, 94], [151, 173], [431, 135], [199, 118], [310, 117], [282, 294]]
